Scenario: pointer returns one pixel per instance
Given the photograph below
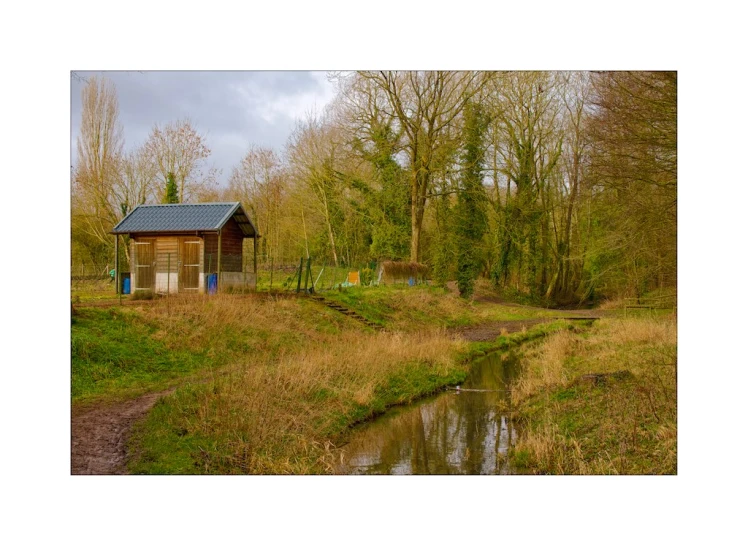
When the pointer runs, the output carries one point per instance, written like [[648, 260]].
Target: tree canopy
[[554, 185]]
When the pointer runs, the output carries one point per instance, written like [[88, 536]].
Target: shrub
[[366, 276]]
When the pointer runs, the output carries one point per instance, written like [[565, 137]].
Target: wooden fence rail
[[651, 303]]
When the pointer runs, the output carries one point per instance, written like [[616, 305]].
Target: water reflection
[[466, 433]]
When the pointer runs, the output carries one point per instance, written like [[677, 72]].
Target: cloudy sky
[[232, 109]]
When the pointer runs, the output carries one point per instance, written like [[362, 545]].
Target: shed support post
[[254, 257], [218, 287], [116, 264]]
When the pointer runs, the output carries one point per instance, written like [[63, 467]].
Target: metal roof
[[184, 218]]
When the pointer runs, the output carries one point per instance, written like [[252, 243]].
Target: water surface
[[452, 433]]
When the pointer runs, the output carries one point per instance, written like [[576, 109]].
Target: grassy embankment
[[268, 384], [603, 402]]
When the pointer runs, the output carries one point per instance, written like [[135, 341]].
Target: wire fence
[[167, 273], [308, 275], [90, 271]]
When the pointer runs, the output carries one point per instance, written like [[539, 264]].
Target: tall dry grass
[[602, 403], [287, 379], [545, 365], [275, 417]]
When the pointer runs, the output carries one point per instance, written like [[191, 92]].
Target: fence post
[[308, 273], [272, 258], [324, 264], [301, 270], [168, 274]]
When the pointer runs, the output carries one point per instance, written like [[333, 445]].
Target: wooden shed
[[177, 248]]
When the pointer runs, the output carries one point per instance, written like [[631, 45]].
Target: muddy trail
[[489, 331], [99, 434]]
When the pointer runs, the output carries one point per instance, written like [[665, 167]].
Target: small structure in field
[[405, 272], [188, 247]]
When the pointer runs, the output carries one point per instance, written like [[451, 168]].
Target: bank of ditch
[[265, 385], [600, 402]]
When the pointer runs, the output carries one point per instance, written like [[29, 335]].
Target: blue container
[[126, 286], [212, 283]]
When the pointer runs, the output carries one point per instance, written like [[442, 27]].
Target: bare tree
[[178, 148], [99, 147], [314, 152], [137, 182], [258, 182]]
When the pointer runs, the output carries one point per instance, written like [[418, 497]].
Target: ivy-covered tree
[[471, 222], [389, 203]]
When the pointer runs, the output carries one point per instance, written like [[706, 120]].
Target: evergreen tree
[[172, 192]]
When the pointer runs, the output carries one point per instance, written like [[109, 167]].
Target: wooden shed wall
[[231, 248]]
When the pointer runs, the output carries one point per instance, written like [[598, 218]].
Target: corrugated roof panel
[[181, 217]]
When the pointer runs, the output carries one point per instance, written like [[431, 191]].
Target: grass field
[[269, 384], [265, 382]]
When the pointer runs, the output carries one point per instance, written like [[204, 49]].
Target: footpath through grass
[[603, 402]]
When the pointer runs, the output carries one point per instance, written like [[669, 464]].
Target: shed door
[[189, 272], [144, 261]]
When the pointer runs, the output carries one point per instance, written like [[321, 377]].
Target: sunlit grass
[[275, 414], [601, 403]]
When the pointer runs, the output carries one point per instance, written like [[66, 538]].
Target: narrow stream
[[451, 433]]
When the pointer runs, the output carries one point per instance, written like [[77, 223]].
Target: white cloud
[[290, 104]]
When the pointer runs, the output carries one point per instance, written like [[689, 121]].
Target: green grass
[[92, 290], [115, 353], [424, 306]]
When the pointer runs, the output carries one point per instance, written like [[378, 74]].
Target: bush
[[366, 275], [142, 295]]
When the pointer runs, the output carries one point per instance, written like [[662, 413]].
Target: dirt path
[[489, 331], [99, 434]]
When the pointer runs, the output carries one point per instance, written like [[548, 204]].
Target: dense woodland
[[554, 185]]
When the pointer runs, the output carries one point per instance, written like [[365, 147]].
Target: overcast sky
[[232, 109]]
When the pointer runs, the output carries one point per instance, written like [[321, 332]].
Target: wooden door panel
[[144, 262], [189, 259]]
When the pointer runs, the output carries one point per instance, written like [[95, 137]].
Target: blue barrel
[[125, 282], [212, 283]]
